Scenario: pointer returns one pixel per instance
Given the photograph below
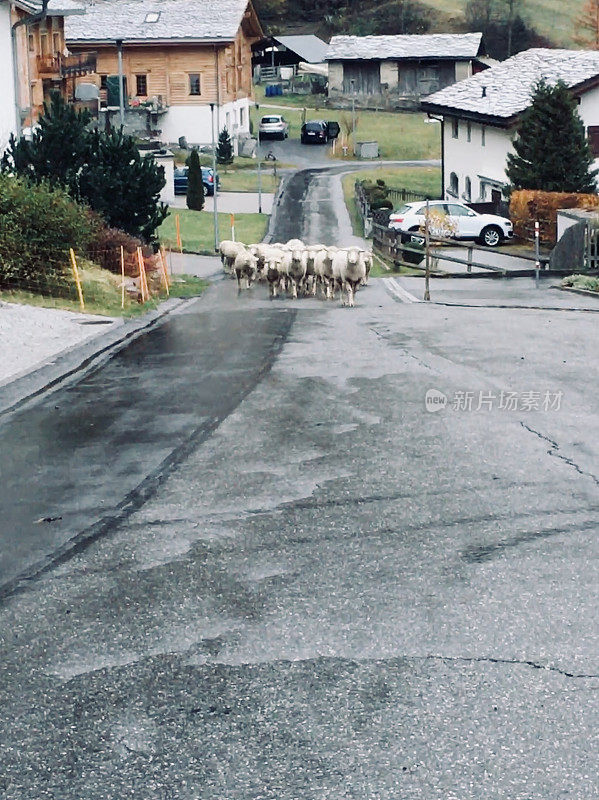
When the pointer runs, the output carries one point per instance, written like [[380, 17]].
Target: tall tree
[[105, 170], [587, 25], [57, 148], [195, 185], [552, 152]]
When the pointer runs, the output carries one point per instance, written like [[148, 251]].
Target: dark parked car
[[207, 180], [317, 131]]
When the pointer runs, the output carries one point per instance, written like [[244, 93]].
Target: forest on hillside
[[509, 26]]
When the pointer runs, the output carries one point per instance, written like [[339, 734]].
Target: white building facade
[[8, 118], [480, 116]]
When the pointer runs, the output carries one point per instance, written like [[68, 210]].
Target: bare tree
[[587, 25]]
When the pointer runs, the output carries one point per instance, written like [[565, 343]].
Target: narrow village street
[[285, 549]]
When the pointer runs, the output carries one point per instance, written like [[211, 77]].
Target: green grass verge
[[587, 282], [240, 176], [102, 294], [402, 136], [197, 229]]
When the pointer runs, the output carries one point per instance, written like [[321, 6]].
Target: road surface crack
[[554, 451], [513, 662]]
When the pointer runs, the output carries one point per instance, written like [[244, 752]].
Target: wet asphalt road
[[329, 592]]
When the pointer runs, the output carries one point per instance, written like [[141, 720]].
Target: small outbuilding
[[277, 57], [397, 71]]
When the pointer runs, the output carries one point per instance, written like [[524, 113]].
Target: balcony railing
[[60, 66]]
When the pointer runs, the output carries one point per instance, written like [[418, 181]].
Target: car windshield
[[268, 120], [403, 209], [314, 126]]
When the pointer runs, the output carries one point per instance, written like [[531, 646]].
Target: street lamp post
[[119, 46], [259, 184], [215, 203], [353, 115]]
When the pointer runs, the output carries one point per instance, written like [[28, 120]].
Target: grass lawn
[[197, 229], [417, 179], [402, 136], [102, 294]]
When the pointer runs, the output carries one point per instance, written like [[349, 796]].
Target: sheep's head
[[353, 256]]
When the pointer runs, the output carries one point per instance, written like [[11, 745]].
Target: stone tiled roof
[[56, 8], [108, 20], [435, 45], [508, 87]]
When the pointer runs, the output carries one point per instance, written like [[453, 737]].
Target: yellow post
[[232, 227], [122, 277], [145, 294], [164, 273], [77, 278], [178, 226]]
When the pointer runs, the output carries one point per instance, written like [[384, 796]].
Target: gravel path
[[29, 336]]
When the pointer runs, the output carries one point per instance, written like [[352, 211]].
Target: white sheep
[[323, 269], [228, 251], [349, 271], [245, 265], [293, 267]]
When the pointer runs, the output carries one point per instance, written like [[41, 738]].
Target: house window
[[44, 44], [241, 117], [483, 135], [454, 185], [152, 16], [141, 85], [194, 84], [104, 82], [455, 128], [468, 131], [483, 191], [31, 45], [593, 134], [468, 190], [56, 42]]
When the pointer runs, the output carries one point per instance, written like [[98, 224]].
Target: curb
[[268, 236], [585, 292], [81, 358]]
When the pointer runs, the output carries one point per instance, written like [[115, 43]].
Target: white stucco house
[[8, 119], [480, 116]]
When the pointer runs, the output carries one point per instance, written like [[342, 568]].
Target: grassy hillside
[[554, 19]]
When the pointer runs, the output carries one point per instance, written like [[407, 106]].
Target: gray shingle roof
[[56, 8], [309, 48], [509, 85], [108, 20], [435, 45]]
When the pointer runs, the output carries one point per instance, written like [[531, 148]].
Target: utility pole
[[215, 204], [259, 185], [119, 47]]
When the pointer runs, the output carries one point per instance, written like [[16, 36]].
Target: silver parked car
[[274, 126]]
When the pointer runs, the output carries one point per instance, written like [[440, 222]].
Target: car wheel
[[491, 236]]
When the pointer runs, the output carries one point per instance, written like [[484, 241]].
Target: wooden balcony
[[48, 66], [58, 66]]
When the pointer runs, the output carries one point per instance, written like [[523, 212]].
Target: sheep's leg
[[238, 275], [294, 288], [350, 294]]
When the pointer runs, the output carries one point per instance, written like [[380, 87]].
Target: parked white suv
[[463, 222], [273, 126]]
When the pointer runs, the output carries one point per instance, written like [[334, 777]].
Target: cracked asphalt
[[328, 591]]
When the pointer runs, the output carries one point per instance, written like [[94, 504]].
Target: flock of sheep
[[298, 268]]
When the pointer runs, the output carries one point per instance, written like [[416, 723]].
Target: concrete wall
[[194, 122], [473, 160], [7, 93]]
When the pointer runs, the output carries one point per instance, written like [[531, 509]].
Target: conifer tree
[[224, 151], [552, 152], [195, 185]]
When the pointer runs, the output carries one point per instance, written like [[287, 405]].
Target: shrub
[[105, 250], [38, 225], [526, 206]]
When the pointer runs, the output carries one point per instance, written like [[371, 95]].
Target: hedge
[[526, 206]]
